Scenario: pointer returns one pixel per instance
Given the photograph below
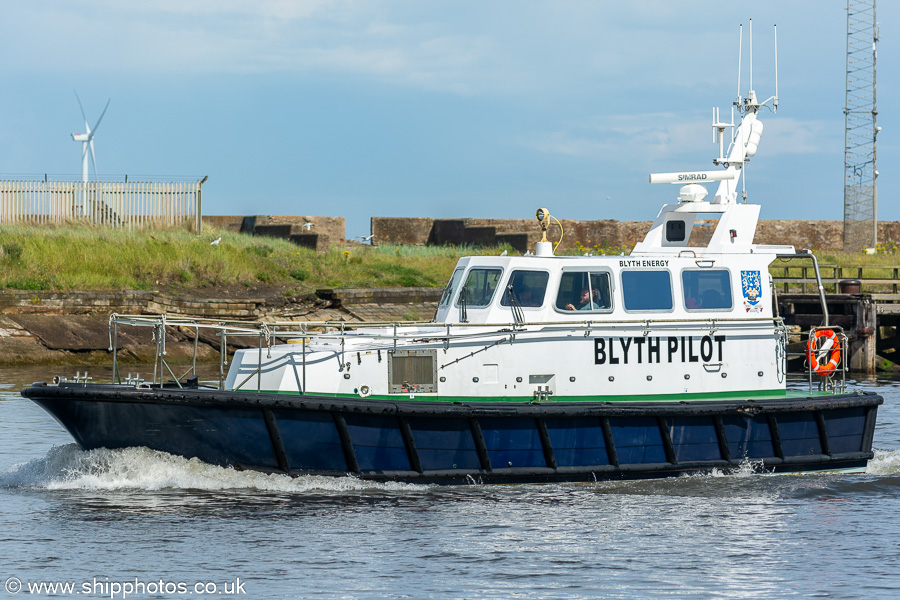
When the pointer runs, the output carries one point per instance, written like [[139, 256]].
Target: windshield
[[480, 286], [525, 288], [450, 290]]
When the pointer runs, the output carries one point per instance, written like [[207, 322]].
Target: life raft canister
[[823, 344]]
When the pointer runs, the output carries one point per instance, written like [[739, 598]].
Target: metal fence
[[128, 204]]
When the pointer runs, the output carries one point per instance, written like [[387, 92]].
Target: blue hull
[[459, 443]]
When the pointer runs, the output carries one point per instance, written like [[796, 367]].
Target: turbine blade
[[84, 161], [92, 132], [94, 160], [83, 116]]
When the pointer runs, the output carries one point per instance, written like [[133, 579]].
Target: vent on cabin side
[[412, 371]]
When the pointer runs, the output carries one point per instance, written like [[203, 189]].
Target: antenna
[[775, 99], [744, 139], [740, 48]]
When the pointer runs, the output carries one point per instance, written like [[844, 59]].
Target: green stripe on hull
[[705, 396]]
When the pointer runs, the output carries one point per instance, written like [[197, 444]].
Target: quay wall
[[314, 232], [524, 233]]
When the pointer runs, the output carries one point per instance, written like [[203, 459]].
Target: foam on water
[[68, 467], [885, 463], [747, 468]]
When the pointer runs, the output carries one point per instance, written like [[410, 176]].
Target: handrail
[[809, 255], [252, 328], [391, 332]]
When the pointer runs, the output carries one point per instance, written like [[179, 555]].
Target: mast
[[744, 142], [860, 128]]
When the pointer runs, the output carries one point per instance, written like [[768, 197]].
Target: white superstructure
[[654, 324], [675, 318]]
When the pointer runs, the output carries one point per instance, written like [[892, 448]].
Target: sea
[[136, 523]]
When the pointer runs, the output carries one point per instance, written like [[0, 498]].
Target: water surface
[[134, 515]]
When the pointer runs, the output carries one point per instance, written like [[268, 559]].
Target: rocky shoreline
[[72, 328]]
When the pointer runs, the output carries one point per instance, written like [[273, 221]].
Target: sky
[[441, 108]]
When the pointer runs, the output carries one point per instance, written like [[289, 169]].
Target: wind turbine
[[87, 139]]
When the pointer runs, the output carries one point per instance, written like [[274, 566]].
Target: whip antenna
[[775, 99], [740, 47]]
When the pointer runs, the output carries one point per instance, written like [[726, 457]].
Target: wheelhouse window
[[525, 288], [479, 287], [647, 290], [675, 231], [584, 290], [450, 290], [706, 289]]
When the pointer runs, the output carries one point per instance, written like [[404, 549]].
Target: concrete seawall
[[319, 231], [523, 234]]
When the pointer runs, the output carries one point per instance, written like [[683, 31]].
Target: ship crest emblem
[[751, 288]]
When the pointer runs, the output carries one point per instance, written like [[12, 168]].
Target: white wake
[[68, 467], [886, 462]]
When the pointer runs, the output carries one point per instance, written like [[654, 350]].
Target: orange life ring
[[824, 343]]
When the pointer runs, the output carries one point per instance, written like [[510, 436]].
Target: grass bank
[[86, 258]]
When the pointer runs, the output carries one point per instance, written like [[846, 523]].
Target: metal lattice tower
[[860, 129]]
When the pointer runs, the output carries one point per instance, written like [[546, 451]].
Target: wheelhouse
[[497, 289]]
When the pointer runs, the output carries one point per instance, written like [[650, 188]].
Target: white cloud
[[784, 135], [440, 63], [528, 49], [346, 38], [651, 136], [277, 10], [665, 137]]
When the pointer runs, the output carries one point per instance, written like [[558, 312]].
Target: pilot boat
[[668, 361]]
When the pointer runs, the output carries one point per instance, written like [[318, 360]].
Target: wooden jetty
[[863, 301]]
